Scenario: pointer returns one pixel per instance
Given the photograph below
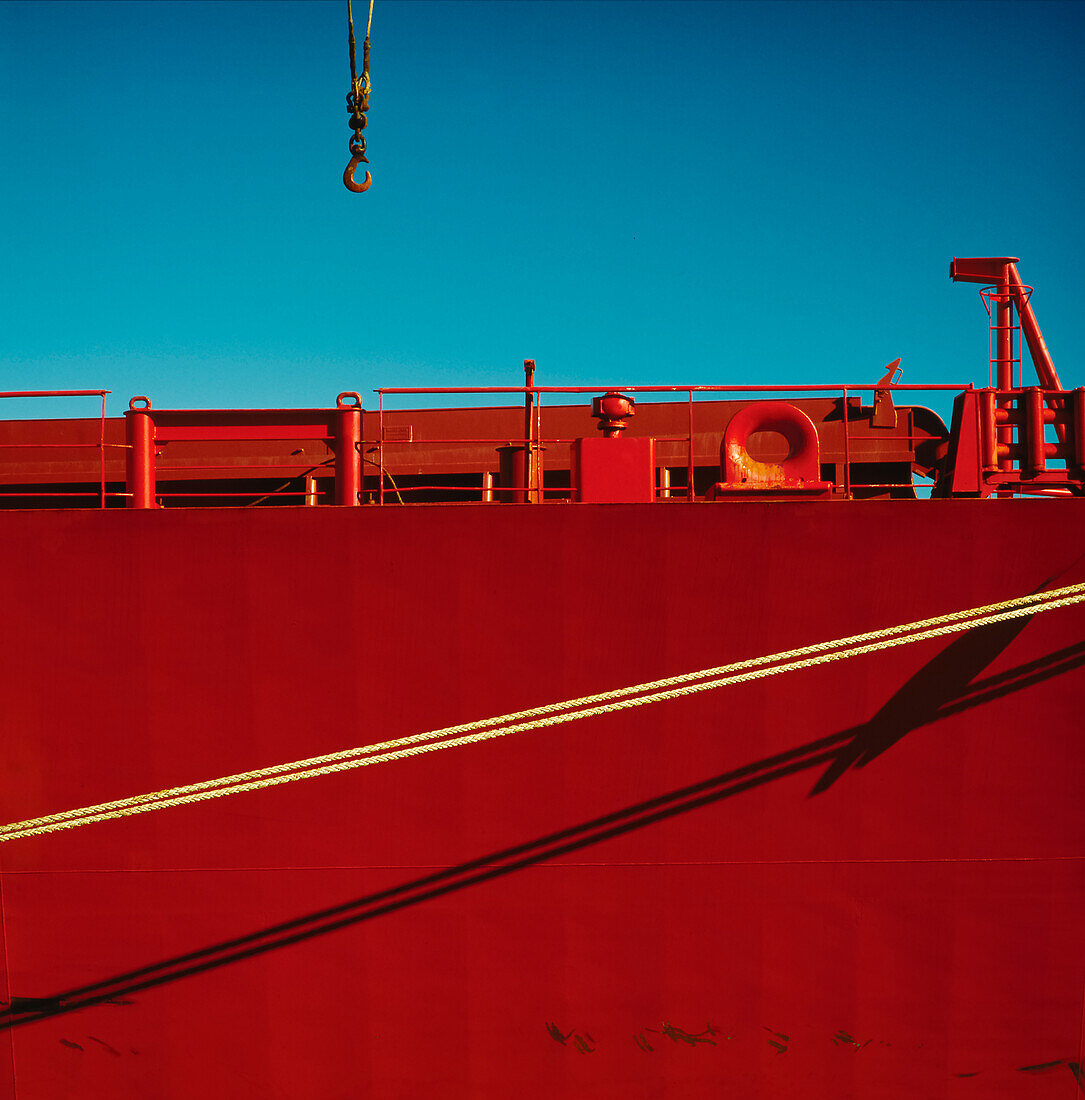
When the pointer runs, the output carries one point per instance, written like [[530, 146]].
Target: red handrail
[[103, 394]]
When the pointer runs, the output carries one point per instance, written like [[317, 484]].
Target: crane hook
[[357, 103], [348, 175]]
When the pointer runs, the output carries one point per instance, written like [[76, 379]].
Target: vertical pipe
[[380, 451], [531, 465], [488, 487], [1004, 357], [512, 476], [985, 402], [348, 449], [1032, 428], [1041, 357], [139, 458], [540, 491], [1077, 414]]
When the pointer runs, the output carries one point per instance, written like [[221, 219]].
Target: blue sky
[[627, 192]]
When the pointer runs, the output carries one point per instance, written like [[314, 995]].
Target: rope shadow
[[944, 686], [941, 681]]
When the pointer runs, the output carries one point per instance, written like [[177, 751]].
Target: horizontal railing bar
[[516, 442], [672, 389], [64, 446], [96, 494], [894, 438], [261, 496], [167, 438], [55, 393], [244, 468], [509, 441], [461, 488]]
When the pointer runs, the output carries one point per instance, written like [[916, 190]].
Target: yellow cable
[[365, 68], [550, 715]]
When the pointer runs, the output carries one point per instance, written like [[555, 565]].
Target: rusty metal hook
[[357, 155], [348, 175]]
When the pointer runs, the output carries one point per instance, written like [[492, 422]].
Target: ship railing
[[531, 484], [337, 429], [100, 445], [526, 467]]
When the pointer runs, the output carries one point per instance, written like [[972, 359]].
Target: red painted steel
[[100, 445], [803, 462], [1003, 270], [612, 410], [420, 441], [1004, 368], [1041, 357], [532, 478], [418, 390], [140, 457], [239, 452], [1021, 463], [1078, 413], [614, 470], [1033, 425], [55, 393], [859, 881], [348, 449], [798, 471]]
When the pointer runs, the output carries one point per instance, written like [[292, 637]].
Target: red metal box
[[614, 471]]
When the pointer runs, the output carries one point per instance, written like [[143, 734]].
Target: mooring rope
[[554, 714]]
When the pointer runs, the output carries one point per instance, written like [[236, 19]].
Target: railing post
[[847, 447], [139, 458], [531, 453], [101, 457], [690, 498], [380, 449], [348, 449]]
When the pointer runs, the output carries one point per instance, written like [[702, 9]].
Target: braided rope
[[553, 714]]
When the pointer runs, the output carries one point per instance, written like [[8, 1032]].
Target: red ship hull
[[862, 879]]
